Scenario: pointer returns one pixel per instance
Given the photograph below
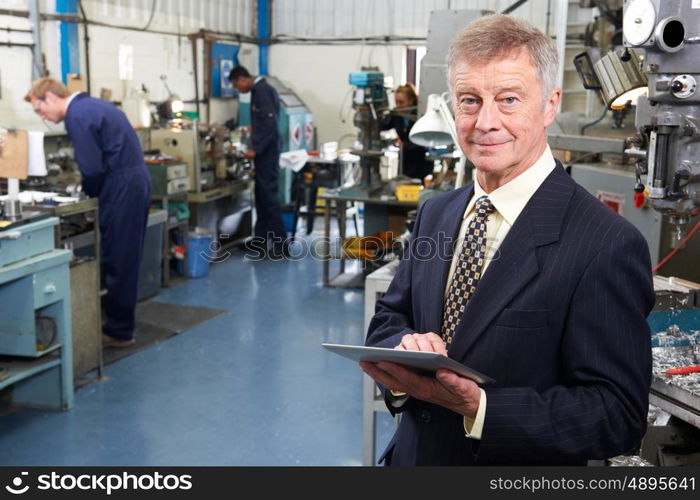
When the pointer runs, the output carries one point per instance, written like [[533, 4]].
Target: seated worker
[[413, 161]]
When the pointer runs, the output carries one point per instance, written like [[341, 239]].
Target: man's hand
[[250, 154], [446, 388]]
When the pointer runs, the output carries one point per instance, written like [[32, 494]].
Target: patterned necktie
[[468, 270]]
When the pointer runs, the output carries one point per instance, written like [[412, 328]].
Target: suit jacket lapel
[[538, 224], [453, 215]]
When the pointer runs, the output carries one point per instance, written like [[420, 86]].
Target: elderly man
[[546, 290], [110, 159]]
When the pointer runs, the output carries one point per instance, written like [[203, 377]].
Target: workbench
[[380, 214], [79, 230]]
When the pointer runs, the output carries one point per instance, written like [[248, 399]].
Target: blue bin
[[198, 250], [288, 220]]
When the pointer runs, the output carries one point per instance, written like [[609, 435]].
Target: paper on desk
[[29, 197], [294, 160], [37, 160]]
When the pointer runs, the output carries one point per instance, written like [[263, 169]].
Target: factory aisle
[[251, 387]]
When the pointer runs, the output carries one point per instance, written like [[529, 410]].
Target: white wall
[[154, 54], [16, 75], [319, 75]]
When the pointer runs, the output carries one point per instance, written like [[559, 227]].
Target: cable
[[594, 122], [579, 158], [513, 7], [675, 250], [343, 118], [150, 19], [340, 139]]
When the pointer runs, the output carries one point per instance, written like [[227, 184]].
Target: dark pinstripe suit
[[558, 320]]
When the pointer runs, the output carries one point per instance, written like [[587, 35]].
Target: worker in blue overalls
[[110, 158], [270, 234]]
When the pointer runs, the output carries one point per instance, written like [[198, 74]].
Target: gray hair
[[495, 36]]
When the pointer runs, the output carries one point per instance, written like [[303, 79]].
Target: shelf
[[19, 370], [38, 377]]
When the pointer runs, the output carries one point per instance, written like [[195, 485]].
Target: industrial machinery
[[650, 178], [296, 126], [675, 387], [201, 147], [371, 106], [668, 120], [657, 69]]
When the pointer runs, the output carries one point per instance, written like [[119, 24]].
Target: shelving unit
[[37, 286], [171, 226]]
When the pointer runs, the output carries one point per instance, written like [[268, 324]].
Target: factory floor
[[250, 387]]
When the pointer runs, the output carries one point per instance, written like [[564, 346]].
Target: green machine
[[296, 127]]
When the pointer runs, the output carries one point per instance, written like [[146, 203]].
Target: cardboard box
[[76, 83], [14, 156]]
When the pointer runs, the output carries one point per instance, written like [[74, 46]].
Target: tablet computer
[[423, 361]]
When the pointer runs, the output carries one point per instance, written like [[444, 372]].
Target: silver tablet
[[424, 361]]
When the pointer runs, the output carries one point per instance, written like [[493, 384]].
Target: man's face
[[50, 108], [500, 117], [243, 84]]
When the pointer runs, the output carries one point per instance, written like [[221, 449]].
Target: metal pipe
[[560, 25], [263, 34], [12, 44], [15, 30], [14, 13], [196, 76], [86, 38], [661, 158], [38, 69]]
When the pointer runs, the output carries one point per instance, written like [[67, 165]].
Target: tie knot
[[484, 206]]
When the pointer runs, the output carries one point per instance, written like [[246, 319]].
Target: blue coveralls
[[111, 164], [267, 144]]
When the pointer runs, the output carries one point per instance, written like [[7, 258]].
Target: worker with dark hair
[[270, 235]]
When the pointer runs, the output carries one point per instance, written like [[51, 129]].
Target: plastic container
[[288, 217], [199, 254]]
